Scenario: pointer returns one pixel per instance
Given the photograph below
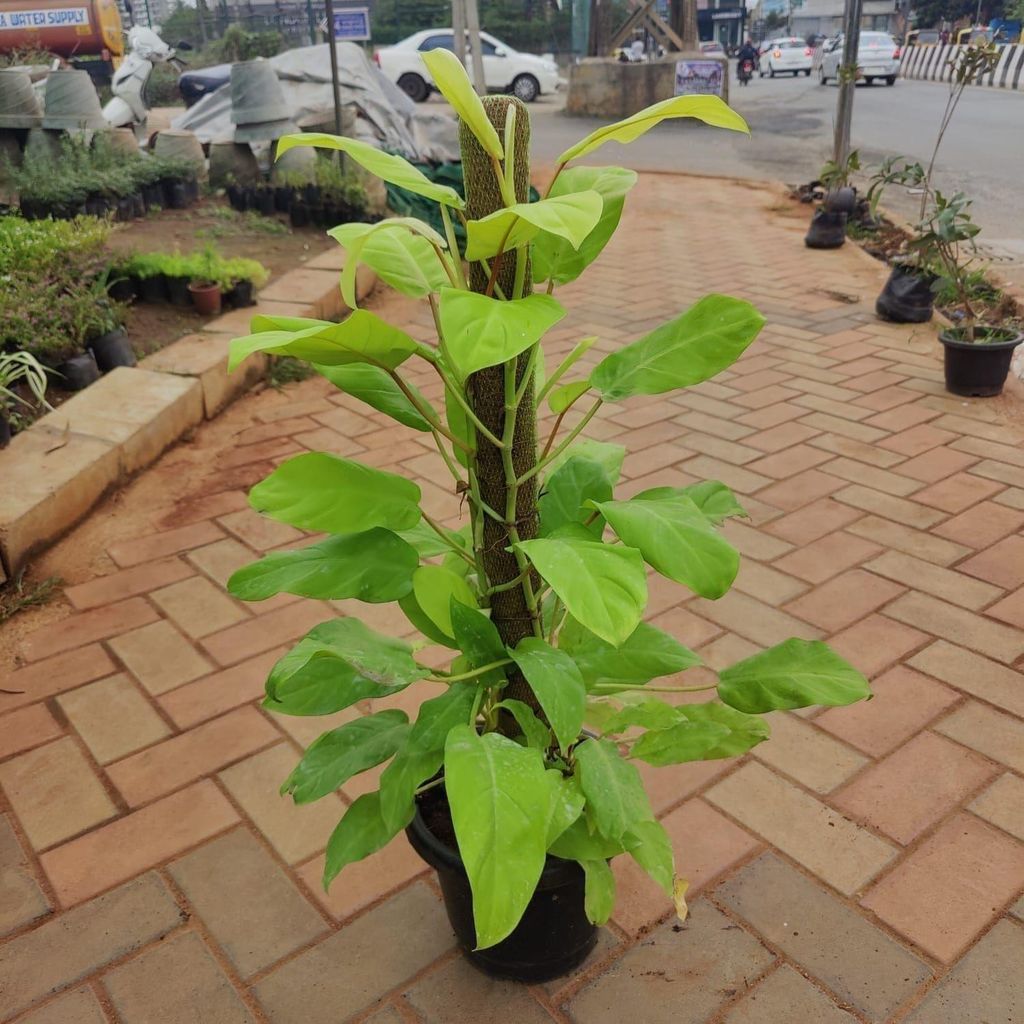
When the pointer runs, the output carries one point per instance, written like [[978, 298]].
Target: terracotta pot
[[206, 297]]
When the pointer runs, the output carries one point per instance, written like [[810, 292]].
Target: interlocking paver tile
[[127, 553], [27, 728], [176, 981], [347, 972], [78, 1007], [938, 898], [55, 792], [844, 599], [678, 975], [807, 754], [197, 607], [973, 673], [87, 627], [1002, 804], [982, 525], [814, 521], [786, 995], [127, 583], [1010, 609], [835, 849], [995, 735], [221, 558], [913, 542], [59, 952], [957, 493], [21, 899], [54, 675], [1002, 564], [113, 717], [259, 634], [160, 657], [854, 958], [987, 985], [877, 642], [947, 584]]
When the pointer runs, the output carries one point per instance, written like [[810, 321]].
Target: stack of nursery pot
[[71, 103], [259, 110], [19, 112], [232, 163], [518, 783]]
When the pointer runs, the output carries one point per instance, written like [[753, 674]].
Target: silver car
[[878, 56]]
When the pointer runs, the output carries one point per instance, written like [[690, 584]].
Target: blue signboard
[[352, 23]]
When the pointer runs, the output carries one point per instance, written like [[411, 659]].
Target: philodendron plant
[[540, 595]]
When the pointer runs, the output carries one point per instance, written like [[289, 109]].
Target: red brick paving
[[863, 865]]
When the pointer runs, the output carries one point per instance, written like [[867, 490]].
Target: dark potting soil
[[437, 815]]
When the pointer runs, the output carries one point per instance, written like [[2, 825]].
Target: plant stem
[[426, 413], [453, 246], [482, 670], [572, 435], [443, 534], [605, 688]]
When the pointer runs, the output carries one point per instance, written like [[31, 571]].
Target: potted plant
[[205, 284], [519, 782], [19, 368], [147, 269], [103, 328], [179, 271], [828, 225], [242, 276]]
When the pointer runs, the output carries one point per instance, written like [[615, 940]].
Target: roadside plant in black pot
[[839, 203], [519, 782], [19, 370], [241, 278]]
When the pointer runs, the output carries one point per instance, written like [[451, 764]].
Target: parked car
[[505, 70], [787, 54], [878, 56]]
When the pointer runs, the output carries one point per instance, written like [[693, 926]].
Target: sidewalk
[[866, 864]]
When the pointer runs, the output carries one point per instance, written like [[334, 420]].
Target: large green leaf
[[375, 566], [317, 491], [570, 218], [686, 741], [336, 664], [647, 653], [418, 618], [745, 731], [402, 251], [709, 109], [360, 832], [567, 802], [554, 258], [609, 456], [557, 685], [423, 752], [616, 799], [567, 395], [263, 322], [675, 537], [603, 586], [480, 331], [649, 845], [534, 731], [566, 492], [341, 753], [577, 842], [362, 337], [477, 637], [378, 389], [794, 674], [645, 714], [453, 83], [715, 501], [708, 337], [435, 588], [429, 544], [500, 802], [598, 891], [392, 169]]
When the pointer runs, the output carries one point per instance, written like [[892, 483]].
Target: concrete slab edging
[[55, 472]]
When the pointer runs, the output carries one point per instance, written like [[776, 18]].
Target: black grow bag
[[153, 289], [978, 369], [907, 297], [178, 293], [77, 373], [240, 295], [554, 935], [5, 430], [112, 349], [827, 230]]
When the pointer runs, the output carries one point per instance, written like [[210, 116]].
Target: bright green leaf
[[392, 169], [794, 674], [377, 388], [647, 714], [341, 753], [566, 492], [557, 685], [263, 322], [715, 501], [598, 891], [418, 618], [745, 731], [317, 491], [554, 258], [500, 804], [686, 741], [426, 541], [336, 664], [609, 456], [361, 832], [577, 842], [454, 85], [435, 588], [567, 802], [375, 566], [675, 537], [480, 331], [565, 395], [602, 586], [709, 109], [568, 217], [616, 799], [647, 654], [648, 844], [477, 637], [535, 732], [708, 337]]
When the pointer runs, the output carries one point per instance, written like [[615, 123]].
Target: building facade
[[825, 17]]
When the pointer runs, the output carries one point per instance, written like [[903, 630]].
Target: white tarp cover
[[385, 115]]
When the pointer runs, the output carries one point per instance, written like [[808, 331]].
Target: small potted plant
[[179, 271], [828, 225], [243, 276], [19, 369], [519, 782], [105, 335], [147, 270], [205, 286]]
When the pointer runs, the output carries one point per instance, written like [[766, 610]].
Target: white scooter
[[127, 108]]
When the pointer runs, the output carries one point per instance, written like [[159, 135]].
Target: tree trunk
[[486, 392]]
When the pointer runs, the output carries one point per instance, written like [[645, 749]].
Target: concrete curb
[[55, 472]]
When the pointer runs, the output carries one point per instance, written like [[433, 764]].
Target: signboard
[[699, 77], [56, 17], [352, 23]]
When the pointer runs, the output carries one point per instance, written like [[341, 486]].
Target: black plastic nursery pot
[[177, 291], [175, 194], [265, 201], [5, 430], [282, 198], [841, 200], [978, 369], [123, 289], [907, 297], [77, 373], [827, 230], [553, 937], [125, 208], [240, 294], [191, 190], [153, 195], [153, 289], [112, 349], [298, 214], [236, 197]]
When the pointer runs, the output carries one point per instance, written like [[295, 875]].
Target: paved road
[[791, 124]]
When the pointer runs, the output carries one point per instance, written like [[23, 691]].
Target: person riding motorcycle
[[748, 51]]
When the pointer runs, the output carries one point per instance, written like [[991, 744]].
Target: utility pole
[[847, 81], [459, 30], [473, 25], [333, 48]]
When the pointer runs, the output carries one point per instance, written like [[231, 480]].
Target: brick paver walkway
[[866, 864]]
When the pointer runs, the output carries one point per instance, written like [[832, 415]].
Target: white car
[[786, 54], [878, 56], [505, 70]]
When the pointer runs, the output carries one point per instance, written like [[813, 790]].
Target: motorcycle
[[745, 71], [127, 107]]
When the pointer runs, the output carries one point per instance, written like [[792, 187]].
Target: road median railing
[[933, 62]]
